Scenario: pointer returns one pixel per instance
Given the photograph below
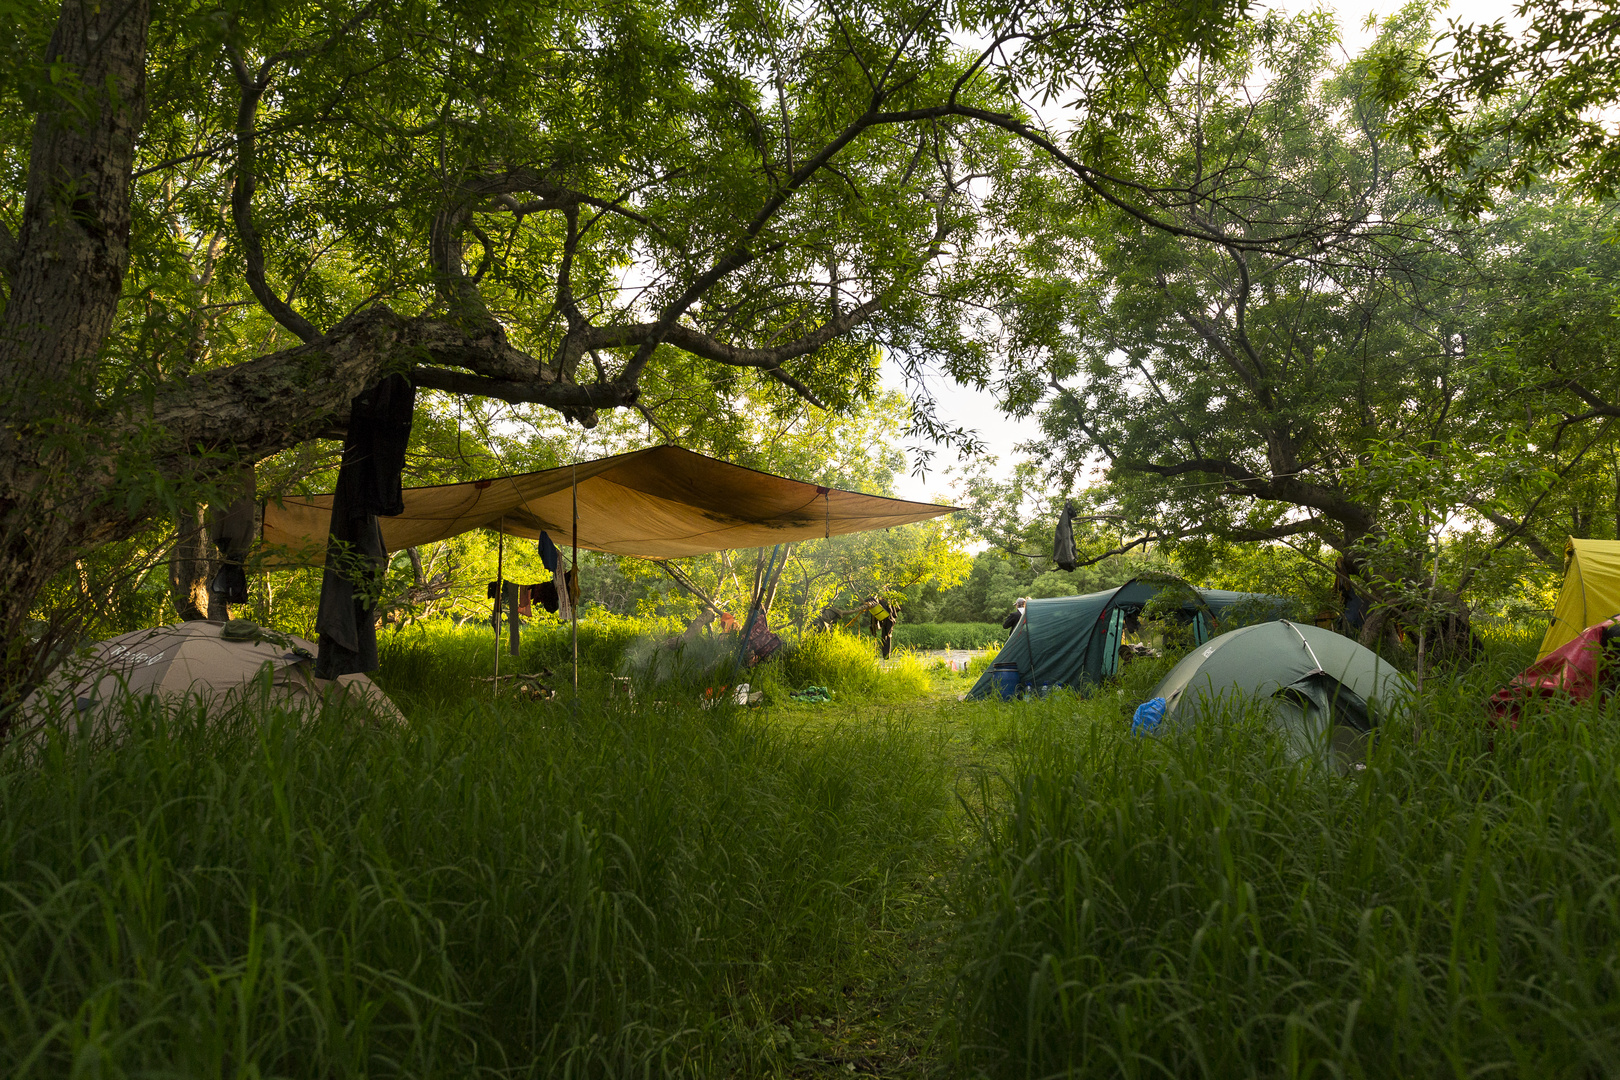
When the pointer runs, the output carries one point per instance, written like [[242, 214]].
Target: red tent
[[1577, 669]]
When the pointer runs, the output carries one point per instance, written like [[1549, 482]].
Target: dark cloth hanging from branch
[[762, 644], [1063, 553], [233, 528], [368, 486]]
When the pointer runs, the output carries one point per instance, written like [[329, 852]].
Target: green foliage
[[1199, 905], [1232, 396], [848, 665], [493, 889], [955, 635], [1488, 110]]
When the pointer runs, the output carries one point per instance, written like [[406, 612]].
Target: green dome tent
[[1074, 641], [1325, 691]]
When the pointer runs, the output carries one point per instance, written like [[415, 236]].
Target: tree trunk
[[72, 251], [770, 598], [1443, 626], [190, 567]]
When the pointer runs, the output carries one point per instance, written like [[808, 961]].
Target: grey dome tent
[[1323, 690], [1074, 641]]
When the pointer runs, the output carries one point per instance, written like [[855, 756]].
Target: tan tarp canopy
[[660, 503]]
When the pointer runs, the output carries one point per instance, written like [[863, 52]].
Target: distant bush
[[957, 635], [848, 664]]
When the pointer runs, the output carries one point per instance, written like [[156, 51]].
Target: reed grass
[[504, 889], [1202, 905], [603, 886]]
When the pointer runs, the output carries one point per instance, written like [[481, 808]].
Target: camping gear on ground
[[1576, 670], [1590, 594], [812, 695], [368, 487], [1004, 676], [1323, 690], [199, 658], [1075, 641], [1063, 553], [531, 687], [1148, 716]]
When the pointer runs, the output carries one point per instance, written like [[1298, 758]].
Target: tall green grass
[[488, 890], [847, 664], [1203, 906], [954, 635], [434, 665]]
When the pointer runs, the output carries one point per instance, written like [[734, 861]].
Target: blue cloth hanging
[[548, 553]]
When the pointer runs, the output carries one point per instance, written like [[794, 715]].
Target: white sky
[[958, 405]]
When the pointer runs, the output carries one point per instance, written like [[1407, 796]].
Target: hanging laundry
[[546, 595], [548, 553], [368, 485], [761, 644], [1063, 553], [233, 528]]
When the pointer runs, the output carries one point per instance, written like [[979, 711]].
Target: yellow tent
[[660, 503], [1591, 592]]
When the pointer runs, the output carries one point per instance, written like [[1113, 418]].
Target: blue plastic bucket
[[1005, 676]]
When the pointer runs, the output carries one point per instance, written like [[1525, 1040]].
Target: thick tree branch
[[1516, 530], [680, 577], [253, 88], [1355, 517]]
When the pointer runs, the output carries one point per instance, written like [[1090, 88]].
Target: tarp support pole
[[500, 596], [573, 606]]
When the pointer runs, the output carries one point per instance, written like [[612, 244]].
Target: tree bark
[[71, 254], [88, 456], [190, 566]]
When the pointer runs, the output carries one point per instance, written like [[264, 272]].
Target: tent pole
[[573, 606], [500, 594]]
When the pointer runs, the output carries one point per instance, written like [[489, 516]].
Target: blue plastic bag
[[1148, 716]]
